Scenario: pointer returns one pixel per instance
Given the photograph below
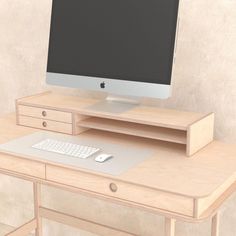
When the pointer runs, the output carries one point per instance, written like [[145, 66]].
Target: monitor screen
[[131, 40]]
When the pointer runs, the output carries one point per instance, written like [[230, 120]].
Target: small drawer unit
[[45, 119], [45, 124], [41, 113]]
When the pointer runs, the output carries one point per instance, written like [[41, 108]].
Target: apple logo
[[103, 85]]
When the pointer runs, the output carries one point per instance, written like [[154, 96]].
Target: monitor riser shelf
[[74, 115]]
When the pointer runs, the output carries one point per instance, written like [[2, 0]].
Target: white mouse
[[103, 157]]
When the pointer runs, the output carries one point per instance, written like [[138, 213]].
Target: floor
[[4, 229]]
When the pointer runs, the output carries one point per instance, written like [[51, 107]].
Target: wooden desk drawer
[[45, 114], [121, 190], [23, 166], [45, 124]]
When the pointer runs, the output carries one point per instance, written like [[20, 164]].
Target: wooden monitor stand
[[167, 183], [73, 115]]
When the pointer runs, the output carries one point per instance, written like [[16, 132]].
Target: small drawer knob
[[44, 113], [44, 124], [113, 187]]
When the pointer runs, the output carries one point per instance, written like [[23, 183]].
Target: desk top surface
[[168, 169]]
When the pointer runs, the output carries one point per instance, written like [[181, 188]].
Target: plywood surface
[[128, 192], [200, 134], [45, 114], [139, 130], [141, 114], [168, 169], [4, 229], [55, 126]]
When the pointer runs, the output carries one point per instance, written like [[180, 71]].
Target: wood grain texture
[[161, 212], [217, 45], [142, 114], [139, 130], [165, 172], [214, 208], [169, 227], [83, 224], [166, 169], [129, 192], [215, 225], [203, 203], [193, 129], [4, 229], [25, 229], [77, 118], [45, 124], [47, 114], [200, 134], [23, 166], [37, 204]]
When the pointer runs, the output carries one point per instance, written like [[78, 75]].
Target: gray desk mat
[[124, 157]]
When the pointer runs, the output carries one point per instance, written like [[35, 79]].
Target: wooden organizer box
[[73, 115]]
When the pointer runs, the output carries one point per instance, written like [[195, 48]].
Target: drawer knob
[[44, 124], [44, 113], [113, 187]]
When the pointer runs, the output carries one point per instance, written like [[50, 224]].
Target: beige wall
[[204, 80]]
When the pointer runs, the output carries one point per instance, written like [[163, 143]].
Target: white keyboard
[[65, 148]]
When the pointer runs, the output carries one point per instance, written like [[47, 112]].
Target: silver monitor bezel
[[116, 86]]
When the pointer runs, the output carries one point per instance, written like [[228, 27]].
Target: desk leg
[[215, 225], [169, 227], [37, 203]]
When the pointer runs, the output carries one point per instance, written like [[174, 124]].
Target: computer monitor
[[123, 47]]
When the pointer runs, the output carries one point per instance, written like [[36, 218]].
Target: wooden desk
[[168, 183]]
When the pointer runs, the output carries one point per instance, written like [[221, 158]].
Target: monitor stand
[[116, 104]]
